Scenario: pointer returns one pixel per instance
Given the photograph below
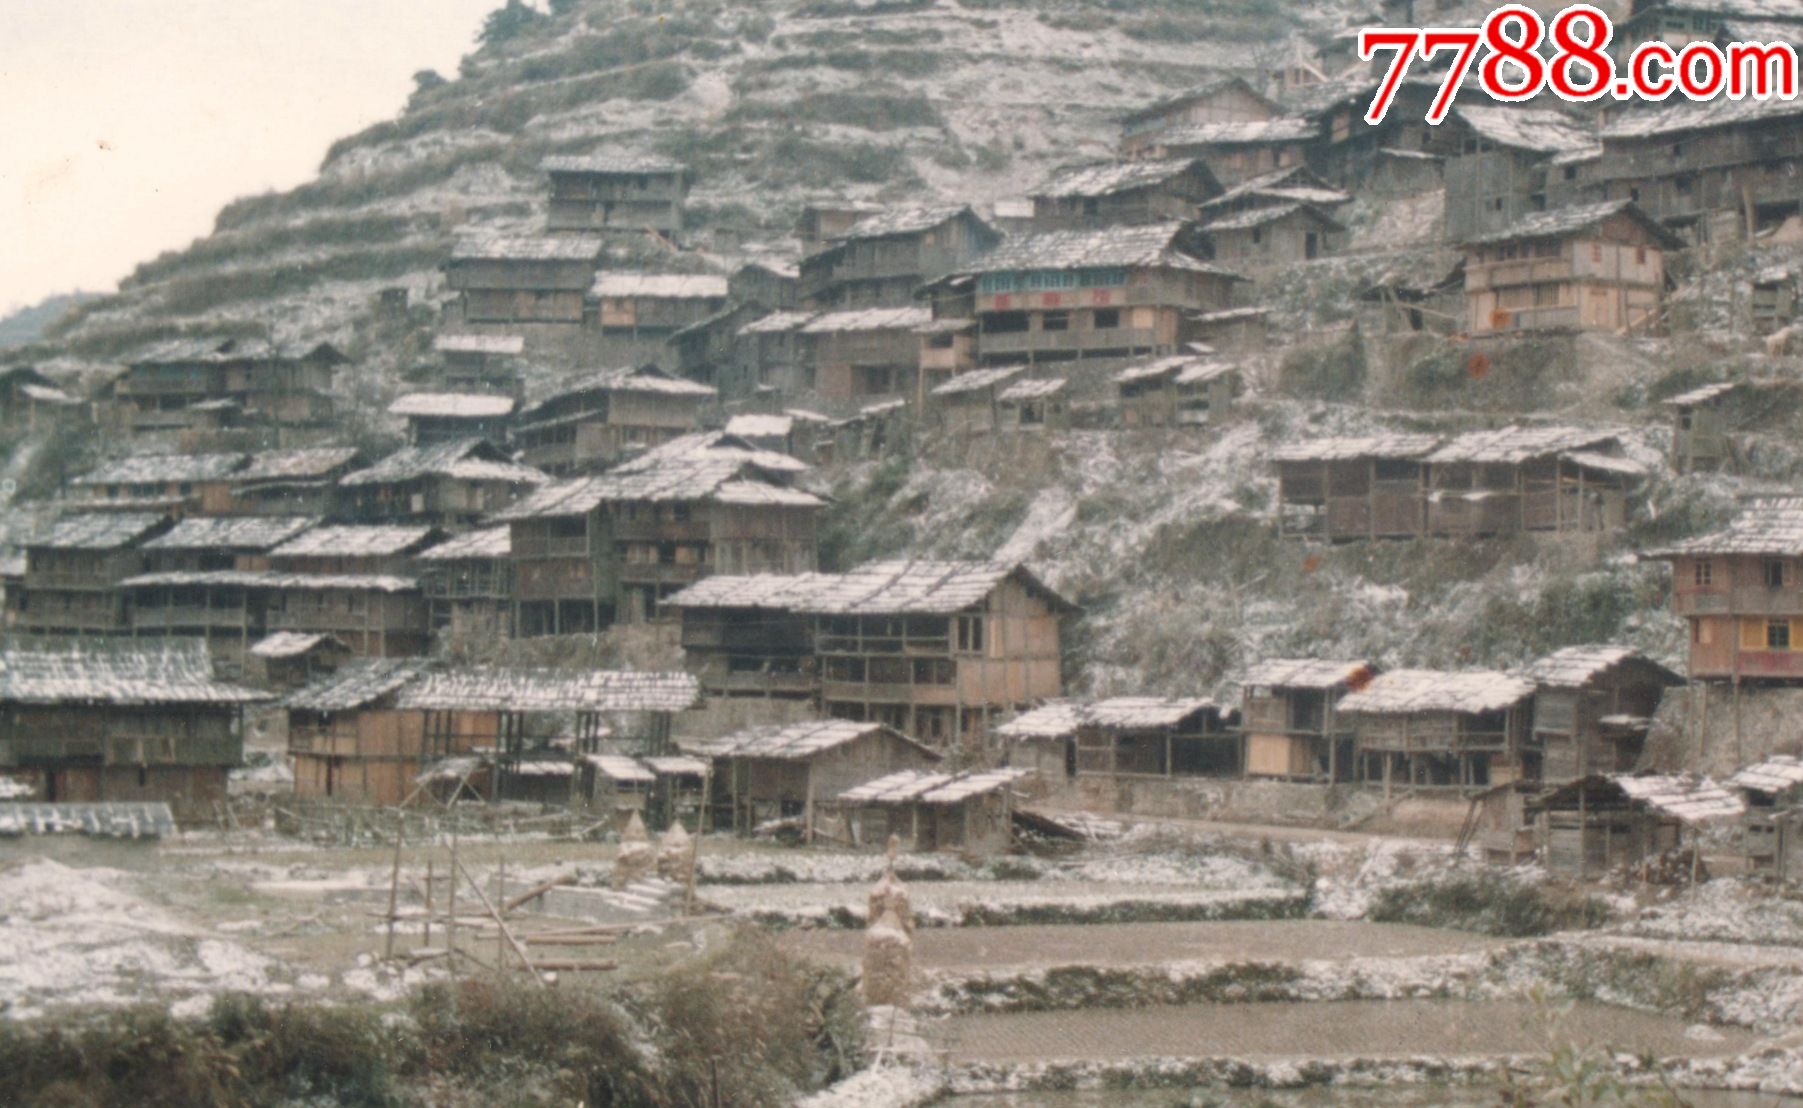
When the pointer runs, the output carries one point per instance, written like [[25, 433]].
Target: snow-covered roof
[[1031, 390], [1203, 91], [1151, 245], [1293, 183], [162, 469], [452, 405], [1062, 718], [97, 531], [1570, 220], [1771, 527], [902, 221], [1184, 369], [777, 323], [677, 765], [1238, 132], [1388, 445], [492, 247], [1260, 217], [759, 425], [1682, 796], [485, 542], [618, 767], [1433, 690], [230, 533], [643, 379], [1540, 130], [495, 688], [867, 319], [795, 741], [623, 164], [1688, 115], [1701, 395], [1094, 179], [1515, 444], [1576, 666], [467, 459], [914, 786], [292, 644], [712, 445], [49, 394], [353, 540], [357, 683], [272, 579], [658, 286], [1307, 673], [1778, 774], [313, 461], [689, 479], [878, 588], [976, 380], [1607, 464], [479, 344], [173, 672]]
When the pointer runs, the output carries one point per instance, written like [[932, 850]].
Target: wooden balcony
[[1744, 600], [1074, 341], [1523, 271]]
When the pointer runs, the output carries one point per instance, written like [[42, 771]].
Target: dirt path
[[1337, 1029], [1126, 944]]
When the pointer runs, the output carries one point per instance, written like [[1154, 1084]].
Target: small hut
[[1033, 406], [293, 659], [1772, 828], [1291, 728], [1594, 824], [970, 812], [1127, 736]]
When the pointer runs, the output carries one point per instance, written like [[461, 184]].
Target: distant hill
[[27, 325]]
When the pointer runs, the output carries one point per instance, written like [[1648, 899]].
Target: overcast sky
[[125, 125]]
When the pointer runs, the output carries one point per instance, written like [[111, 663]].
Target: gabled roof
[[272, 579], [1778, 774], [697, 478], [1538, 130], [1260, 217], [1096, 179], [914, 786], [796, 742], [1198, 92], [483, 543], [452, 405], [904, 221], [161, 469], [1307, 673], [1515, 444], [1405, 691], [1701, 395], [308, 462], [1772, 527], [97, 531], [760, 425], [488, 246], [173, 673], [658, 286], [1263, 132], [354, 540], [1684, 797], [642, 379], [356, 684], [866, 319], [1392, 445], [1031, 390], [1292, 183], [976, 380], [1687, 115], [777, 323], [1184, 369], [624, 164], [479, 344], [713, 445], [293, 644], [468, 459], [501, 689], [1149, 245], [230, 533], [1576, 666], [1570, 220], [878, 588], [1062, 718]]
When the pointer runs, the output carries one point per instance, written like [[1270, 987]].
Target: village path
[[1126, 944], [1333, 1029]]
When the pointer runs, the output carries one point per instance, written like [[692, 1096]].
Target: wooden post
[[427, 939], [1583, 830], [394, 883], [500, 898], [450, 926]]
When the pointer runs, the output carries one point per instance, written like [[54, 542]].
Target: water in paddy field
[[1402, 1096]]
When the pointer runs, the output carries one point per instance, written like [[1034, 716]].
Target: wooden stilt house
[[1593, 706], [1287, 709], [1437, 729], [1596, 824], [1772, 828], [1126, 736], [969, 812]]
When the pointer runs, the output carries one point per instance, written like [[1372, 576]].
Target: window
[[1055, 321], [1258, 235], [1774, 574], [1090, 205], [1571, 173], [970, 634], [1640, 255], [1106, 319], [1777, 634], [1005, 323], [1596, 251], [1704, 574]]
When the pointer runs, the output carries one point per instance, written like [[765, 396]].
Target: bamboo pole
[[394, 888], [428, 933], [506, 932], [451, 921]]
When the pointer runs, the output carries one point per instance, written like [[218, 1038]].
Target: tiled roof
[[867, 319], [488, 246], [97, 531], [976, 380], [1778, 774], [1558, 222], [713, 445], [1540, 130], [901, 221], [1685, 797], [1770, 527], [353, 540], [1430, 690], [1031, 390], [1096, 179], [777, 323], [1514, 445], [913, 786], [452, 405], [1259, 217], [646, 379], [159, 469], [1143, 245], [610, 163], [469, 459], [1061, 718], [272, 579], [689, 479], [486, 542], [794, 742], [494, 688], [479, 344], [356, 684], [171, 673], [1389, 445], [1237, 133], [878, 588], [291, 644], [1687, 115], [760, 425], [1291, 183], [618, 767], [316, 461], [1185, 369], [1306, 673], [1576, 666], [658, 286], [230, 533], [1701, 395]]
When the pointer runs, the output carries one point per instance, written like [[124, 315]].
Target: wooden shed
[[615, 192], [1126, 736], [292, 660], [438, 417], [511, 280], [468, 583], [1772, 827], [969, 812], [451, 483], [1033, 406], [1593, 706], [1455, 729], [594, 419], [1287, 709], [1281, 235], [766, 774], [1147, 190], [1181, 390], [1701, 425], [968, 403], [1598, 823]]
